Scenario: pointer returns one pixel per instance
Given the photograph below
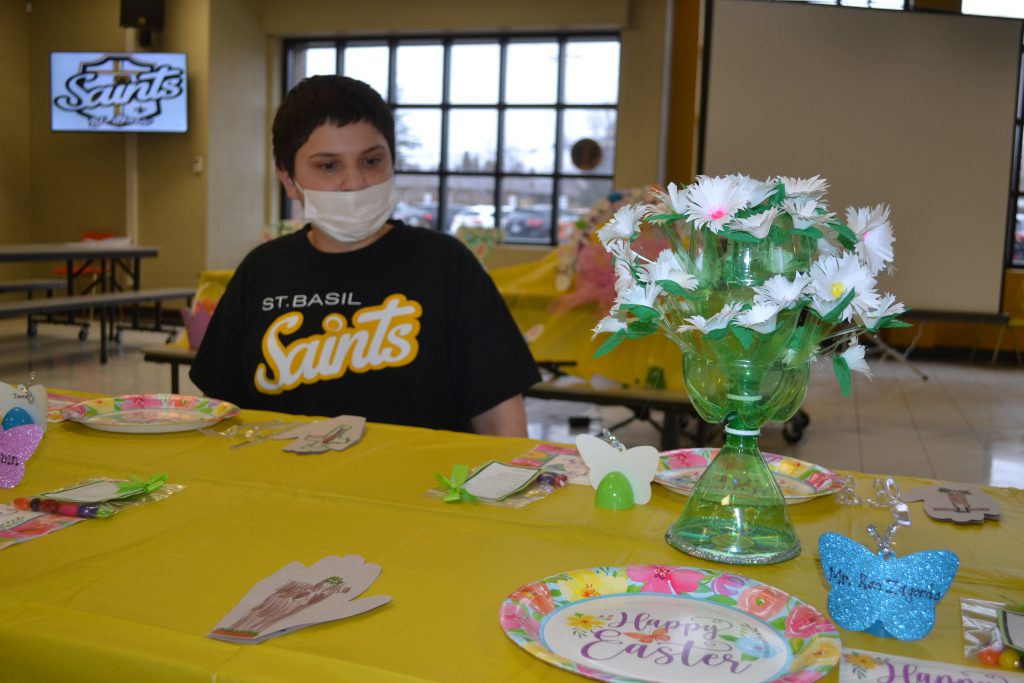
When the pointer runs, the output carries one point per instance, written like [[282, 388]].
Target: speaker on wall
[[142, 14], [145, 15]]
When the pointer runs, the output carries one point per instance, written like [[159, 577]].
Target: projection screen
[[911, 109]]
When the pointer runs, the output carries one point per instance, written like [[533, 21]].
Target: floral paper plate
[[800, 481], [149, 413], [667, 623]]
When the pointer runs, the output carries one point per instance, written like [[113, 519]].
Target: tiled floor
[[965, 423]]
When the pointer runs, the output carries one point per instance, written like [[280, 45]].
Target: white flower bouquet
[[756, 269]]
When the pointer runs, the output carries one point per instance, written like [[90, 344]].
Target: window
[[1015, 9], [870, 4], [509, 131]]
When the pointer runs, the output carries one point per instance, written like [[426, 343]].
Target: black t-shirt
[[409, 330]]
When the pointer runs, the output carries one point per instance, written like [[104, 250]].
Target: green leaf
[[778, 196], [739, 236], [643, 313], [610, 343], [847, 237], [779, 624], [673, 287], [722, 600], [728, 637], [662, 217], [744, 657], [745, 335], [808, 232], [715, 335], [842, 370], [891, 321], [796, 644], [836, 313], [640, 329]]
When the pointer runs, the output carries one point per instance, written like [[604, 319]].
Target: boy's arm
[[508, 418]]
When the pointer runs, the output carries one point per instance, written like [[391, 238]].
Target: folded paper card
[[297, 596], [321, 436]]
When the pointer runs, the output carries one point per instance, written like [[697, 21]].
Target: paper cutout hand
[[638, 464], [956, 502], [298, 596], [335, 434], [896, 594]]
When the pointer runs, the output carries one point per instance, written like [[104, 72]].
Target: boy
[[356, 313]]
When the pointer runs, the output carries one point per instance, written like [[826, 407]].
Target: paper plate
[[149, 413], [800, 481], [667, 623]]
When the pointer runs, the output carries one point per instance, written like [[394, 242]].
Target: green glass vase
[[736, 513]]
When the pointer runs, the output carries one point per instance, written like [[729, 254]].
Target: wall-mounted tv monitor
[[121, 92]]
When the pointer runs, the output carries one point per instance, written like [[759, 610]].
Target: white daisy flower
[[804, 211], [804, 187], [756, 190], [608, 324], [781, 291], [875, 232], [624, 258], [757, 225], [667, 268], [832, 278], [885, 306], [672, 201], [714, 202], [854, 357], [715, 322], [642, 295], [760, 318], [622, 226]]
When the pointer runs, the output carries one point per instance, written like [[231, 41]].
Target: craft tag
[[957, 502], [297, 596], [893, 597], [321, 436], [16, 446], [638, 464]]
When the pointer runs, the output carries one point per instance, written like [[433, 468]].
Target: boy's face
[[339, 159]]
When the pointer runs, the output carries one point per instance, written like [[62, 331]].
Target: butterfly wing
[[599, 456], [848, 567], [16, 446], [914, 584]]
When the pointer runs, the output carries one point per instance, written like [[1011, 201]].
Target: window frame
[[559, 173]]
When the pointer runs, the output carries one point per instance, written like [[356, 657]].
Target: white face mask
[[350, 216]]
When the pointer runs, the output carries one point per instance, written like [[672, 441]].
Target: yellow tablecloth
[[529, 290], [131, 598]]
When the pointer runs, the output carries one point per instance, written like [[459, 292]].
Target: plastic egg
[[1009, 659], [990, 656]]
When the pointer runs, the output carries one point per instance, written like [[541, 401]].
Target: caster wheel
[[792, 432], [119, 337], [83, 334]]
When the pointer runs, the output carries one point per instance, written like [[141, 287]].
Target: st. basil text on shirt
[[383, 336], [307, 300]]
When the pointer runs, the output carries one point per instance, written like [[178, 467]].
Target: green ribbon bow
[[136, 485], [453, 487]]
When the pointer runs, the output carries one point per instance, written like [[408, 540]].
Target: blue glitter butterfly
[[883, 594]]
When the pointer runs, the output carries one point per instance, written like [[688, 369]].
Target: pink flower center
[[717, 213], [661, 573]]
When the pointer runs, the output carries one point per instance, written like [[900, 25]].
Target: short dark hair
[[327, 99]]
